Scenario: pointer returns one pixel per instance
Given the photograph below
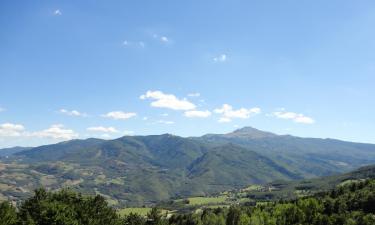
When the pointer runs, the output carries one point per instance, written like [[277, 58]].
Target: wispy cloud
[[125, 43], [296, 117], [194, 94], [102, 129], [141, 44], [134, 44], [228, 113], [56, 131], [196, 113], [106, 132], [164, 39], [119, 115], [11, 130], [169, 101], [72, 113], [2, 109], [220, 58], [168, 122], [57, 12], [161, 38]]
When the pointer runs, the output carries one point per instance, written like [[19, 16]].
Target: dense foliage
[[351, 204], [59, 208]]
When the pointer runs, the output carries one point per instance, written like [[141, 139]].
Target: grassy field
[[140, 211], [350, 181], [253, 187], [218, 206], [206, 200]]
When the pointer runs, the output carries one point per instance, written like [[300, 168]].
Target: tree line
[[352, 204]]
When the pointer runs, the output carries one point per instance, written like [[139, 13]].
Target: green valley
[[146, 170]]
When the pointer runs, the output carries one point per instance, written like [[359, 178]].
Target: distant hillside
[[294, 189], [309, 157], [273, 191], [244, 133], [6, 152], [136, 170]]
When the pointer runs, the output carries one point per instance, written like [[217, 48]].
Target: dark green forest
[[352, 204]]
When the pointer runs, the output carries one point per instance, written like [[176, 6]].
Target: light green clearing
[[253, 187], [347, 182], [206, 200], [139, 211], [218, 206]]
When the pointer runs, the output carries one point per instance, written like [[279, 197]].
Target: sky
[[81, 69]]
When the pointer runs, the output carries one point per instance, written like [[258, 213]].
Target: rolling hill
[[6, 152], [306, 187], [136, 170], [308, 157], [271, 192]]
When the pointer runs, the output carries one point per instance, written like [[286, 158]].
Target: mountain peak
[[250, 132]]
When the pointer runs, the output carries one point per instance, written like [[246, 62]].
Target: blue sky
[[79, 69]]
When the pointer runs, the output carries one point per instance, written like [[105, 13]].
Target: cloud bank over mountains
[[157, 99]]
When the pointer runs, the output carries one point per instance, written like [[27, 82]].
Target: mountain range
[[137, 170], [6, 152]]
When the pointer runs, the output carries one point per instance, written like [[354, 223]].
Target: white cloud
[[228, 113], [145, 118], [296, 117], [11, 130], [72, 113], [56, 131], [119, 115], [165, 122], [103, 129], [164, 39], [164, 114], [125, 43], [57, 12], [196, 113], [220, 58], [2, 109], [135, 44], [195, 94], [141, 44], [169, 101]]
